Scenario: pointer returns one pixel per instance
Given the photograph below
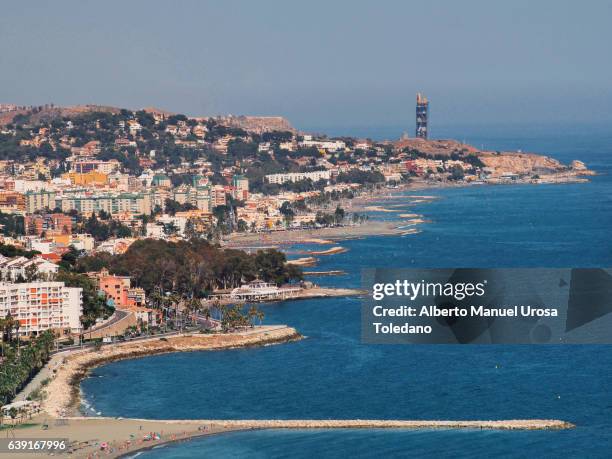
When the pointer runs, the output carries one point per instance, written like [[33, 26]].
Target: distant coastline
[[373, 226]]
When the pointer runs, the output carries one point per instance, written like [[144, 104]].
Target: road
[[118, 315]]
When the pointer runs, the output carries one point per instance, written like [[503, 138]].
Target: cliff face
[[257, 124], [520, 163], [499, 163]]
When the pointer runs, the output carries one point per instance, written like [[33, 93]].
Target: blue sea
[[331, 374]]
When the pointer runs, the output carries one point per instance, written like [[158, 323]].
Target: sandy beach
[[276, 238], [364, 203], [122, 437]]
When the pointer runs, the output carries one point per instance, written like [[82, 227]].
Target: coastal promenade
[[62, 392]]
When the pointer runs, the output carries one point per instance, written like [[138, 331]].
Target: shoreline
[[374, 226], [231, 426], [304, 294], [178, 431], [298, 236], [62, 394], [328, 292], [126, 436]]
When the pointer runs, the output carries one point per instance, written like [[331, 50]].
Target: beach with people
[[104, 437]]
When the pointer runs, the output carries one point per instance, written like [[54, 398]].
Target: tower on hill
[[422, 115]]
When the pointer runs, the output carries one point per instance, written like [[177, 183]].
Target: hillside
[[46, 113], [257, 124], [431, 147], [504, 162]]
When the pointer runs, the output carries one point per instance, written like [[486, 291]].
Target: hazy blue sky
[[319, 63]]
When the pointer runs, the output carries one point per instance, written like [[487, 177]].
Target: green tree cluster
[[21, 362], [192, 268]]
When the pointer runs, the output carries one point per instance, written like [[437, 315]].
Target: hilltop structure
[[422, 116]]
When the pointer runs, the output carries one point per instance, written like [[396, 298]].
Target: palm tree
[[2, 325], [260, 316], [193, 305], [156, 300], [174, 300], [17, 325], [207, 314], [9, 324], [255, 313], [251, 314]]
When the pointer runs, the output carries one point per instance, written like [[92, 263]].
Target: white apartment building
[[15, 268], [315, 176], [155, 230], [329, 145], [41, 306], [289, 146], [264, 146]]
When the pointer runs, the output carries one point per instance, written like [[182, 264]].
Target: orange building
[[118, 288], [87, 178], [115, 287], [12, 200]]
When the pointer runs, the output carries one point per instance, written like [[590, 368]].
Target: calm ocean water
[[332, 375]]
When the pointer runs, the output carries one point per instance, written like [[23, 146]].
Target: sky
[[321, 64]]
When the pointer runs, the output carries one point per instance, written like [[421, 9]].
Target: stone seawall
[[515, 424], [63, 391]]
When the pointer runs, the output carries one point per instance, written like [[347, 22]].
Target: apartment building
[[41, 306], [103, 167], [119, 290], [217, 196], [39, 200], [199, 196], [329, 145], [240, 186], [315, 176], [134, 203], [11, 202], [91, 178], [19, 267]]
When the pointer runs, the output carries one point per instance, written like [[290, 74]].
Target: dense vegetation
[[7, 250], [12, 225], [192, 268], [20, 361], [103, 227]]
